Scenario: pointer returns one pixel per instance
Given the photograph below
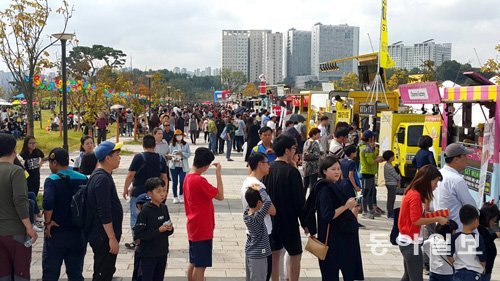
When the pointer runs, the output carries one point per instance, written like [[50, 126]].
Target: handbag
[[316, 247]]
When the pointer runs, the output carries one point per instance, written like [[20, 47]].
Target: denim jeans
[[133, 212], [212, 142], [466, 275], [67, 246], [33, 207], [439, 277], [413, 264], [369, 193], [229, 146], [177, 177], [391, 198], [130, 127], [239, 142]]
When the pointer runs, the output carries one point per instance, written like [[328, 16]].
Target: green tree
[[232, 80], [83, 62], [399, 77], [453, 71], [22, 29]]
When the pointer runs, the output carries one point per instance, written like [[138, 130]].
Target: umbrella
[[297, 118], [116, 106], [16, 102]]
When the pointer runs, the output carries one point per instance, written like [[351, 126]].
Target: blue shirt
[[423, 157], [57, 196], [262, 149]]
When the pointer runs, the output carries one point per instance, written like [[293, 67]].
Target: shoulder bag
[[316, 247]]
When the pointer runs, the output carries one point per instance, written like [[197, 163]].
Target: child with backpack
[[152, 228], [436, 247]]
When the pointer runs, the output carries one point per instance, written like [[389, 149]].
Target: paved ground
[[229, 237]]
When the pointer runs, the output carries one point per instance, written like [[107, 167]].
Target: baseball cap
[[143, 198], [59, 154], [105, 148], [456, 149], [368, 134]]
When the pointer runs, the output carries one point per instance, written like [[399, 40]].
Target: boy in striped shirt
[[257, 247]]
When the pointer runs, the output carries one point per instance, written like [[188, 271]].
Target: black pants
[[206, 136], [67, 246], [101, 135], [239, 143], [104, 262], [153, 269], [309, 182], [222, 142]]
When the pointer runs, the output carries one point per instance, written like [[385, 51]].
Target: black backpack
[[78, 203]]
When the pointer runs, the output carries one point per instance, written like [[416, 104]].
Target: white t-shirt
[[247, 183], [437, 249], [271, 125]]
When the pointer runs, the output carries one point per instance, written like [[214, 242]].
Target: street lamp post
[[64, 37]]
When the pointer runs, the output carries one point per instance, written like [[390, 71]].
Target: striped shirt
[[258, 245]]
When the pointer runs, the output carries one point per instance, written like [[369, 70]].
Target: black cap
[[60, 155]]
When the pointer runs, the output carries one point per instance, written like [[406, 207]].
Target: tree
[[399, 77], [453, 71], [349, 81], [22, 26], [250, 90], [492, 65], [428, 71], [232, 80], [83, 62]]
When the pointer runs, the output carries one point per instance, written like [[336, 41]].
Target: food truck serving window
[[414, 134]]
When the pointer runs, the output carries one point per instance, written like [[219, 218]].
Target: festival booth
[[471, 117]]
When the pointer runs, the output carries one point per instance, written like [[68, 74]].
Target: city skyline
[[187, 33]]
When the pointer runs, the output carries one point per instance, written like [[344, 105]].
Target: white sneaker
[[176, 200], [181, 199], [37, 229]]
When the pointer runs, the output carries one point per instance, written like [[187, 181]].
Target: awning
[[471, 94]]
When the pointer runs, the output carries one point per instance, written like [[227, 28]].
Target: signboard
[[487, 153], [343, 115], [472, 177], [420, 93], [280, 90], [367, 109]]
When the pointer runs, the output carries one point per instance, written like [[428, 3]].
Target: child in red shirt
[[198, 195]]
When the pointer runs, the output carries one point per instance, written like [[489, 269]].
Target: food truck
[[471, 117]]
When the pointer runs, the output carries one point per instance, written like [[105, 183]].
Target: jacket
[[153, 242], [367, 156]]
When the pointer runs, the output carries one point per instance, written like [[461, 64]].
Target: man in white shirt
[[452, 192], [259, 166], [338, 143]]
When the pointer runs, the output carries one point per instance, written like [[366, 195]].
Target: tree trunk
[[28, 95], [135, 128]]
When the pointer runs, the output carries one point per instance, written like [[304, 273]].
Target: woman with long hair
[[86, 146], [337, 223], [179, 164], [411, 220], [33, 159], [252, 134]]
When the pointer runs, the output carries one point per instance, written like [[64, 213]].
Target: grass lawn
[[46, 140]]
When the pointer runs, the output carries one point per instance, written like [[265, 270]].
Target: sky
[[158, 34]]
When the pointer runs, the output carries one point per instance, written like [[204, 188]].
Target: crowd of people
[[279, 201]]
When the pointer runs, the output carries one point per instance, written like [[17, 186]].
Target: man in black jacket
[[220, 127], [284, 185], [105, 212]]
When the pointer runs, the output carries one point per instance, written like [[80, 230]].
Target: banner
[[384, 58], [420, 93], [488, 148]]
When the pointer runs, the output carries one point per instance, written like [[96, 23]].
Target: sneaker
[[368, 216], [37, 229], [176, 200], [39, 224], [230, 160], [382, 212], [181, 199], [130, 246]]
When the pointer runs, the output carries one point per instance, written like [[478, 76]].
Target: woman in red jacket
[[411, 220]]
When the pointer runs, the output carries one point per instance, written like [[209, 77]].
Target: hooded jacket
[[153, 242]]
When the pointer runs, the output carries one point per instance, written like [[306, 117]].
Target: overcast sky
[[188, 33]]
